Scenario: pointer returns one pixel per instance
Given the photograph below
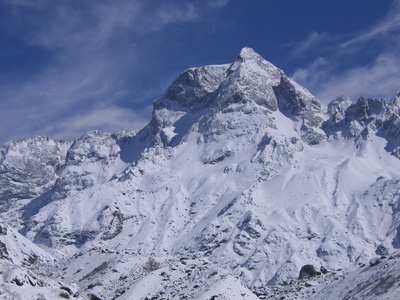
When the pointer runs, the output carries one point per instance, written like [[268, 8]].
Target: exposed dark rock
[[64, 295], [375, 261], [298, 104], [253, 226], [311, 137], [151, 265], [308, 271], [31, 259], [324, 270], [78, 238], [67, 289], [17, 281], [28, 167], [218, 157], [3, 230], [191, 87], [96, 270], [366, 116], [381, 250], [3, 251], [111, 221]]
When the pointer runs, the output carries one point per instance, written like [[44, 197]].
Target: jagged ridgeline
[[240, 178]]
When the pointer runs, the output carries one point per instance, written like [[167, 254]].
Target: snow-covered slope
[[380, 279], [240, 169], [22, 264]]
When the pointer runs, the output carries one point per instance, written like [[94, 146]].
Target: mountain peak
[[396, 99], [248, 53], [254, 62], [239, 172], [250, 83]]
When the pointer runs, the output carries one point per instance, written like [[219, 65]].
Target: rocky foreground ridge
[[240, 178]]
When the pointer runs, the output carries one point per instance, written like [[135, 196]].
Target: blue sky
[[67, 67]]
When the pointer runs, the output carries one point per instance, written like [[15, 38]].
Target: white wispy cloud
[[384, 29], [109, 119], [380, 78], [313, 40], [218, 3], [320, 66], [173, 13], [95, 51]]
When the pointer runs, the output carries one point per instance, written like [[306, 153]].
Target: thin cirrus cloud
[[386, 29], [93, 63], [107, 118], [378, 78], [314, 41], [173, 13], [217, 3]]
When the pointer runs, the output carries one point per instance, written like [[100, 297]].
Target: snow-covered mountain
[[240, 178]]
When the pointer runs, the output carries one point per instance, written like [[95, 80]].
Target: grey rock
[[308, 271], [359, 120], [28, 168]]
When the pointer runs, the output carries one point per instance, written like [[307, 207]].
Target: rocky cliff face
[[239, 165], [366, 117], [29, 168]]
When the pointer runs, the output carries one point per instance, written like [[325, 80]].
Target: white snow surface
[[240, 179], [380, 281]]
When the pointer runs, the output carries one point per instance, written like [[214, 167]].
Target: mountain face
[[240, 178]]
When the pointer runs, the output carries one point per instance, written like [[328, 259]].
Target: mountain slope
[[239, 165]]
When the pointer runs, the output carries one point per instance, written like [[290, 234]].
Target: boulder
[[308, 271]]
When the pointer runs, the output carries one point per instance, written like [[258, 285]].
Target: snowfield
[[240, 179]]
